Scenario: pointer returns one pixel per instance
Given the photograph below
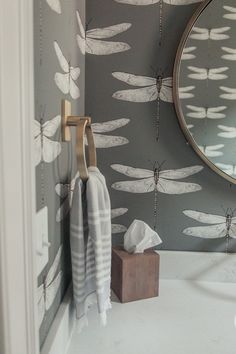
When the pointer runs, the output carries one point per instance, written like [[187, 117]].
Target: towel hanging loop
[[83, 127]]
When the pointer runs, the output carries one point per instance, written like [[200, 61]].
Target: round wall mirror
[[205, 85]]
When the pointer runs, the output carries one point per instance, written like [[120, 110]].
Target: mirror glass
[[206, 85]]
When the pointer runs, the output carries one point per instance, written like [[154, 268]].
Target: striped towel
[[90, 239]]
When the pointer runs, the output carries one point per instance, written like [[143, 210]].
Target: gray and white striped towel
[[90, 237]]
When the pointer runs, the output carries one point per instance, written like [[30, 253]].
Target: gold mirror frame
[[177, 102]]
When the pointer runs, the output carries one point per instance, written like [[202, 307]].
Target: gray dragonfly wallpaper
[[59, 73], [114, 62], [156, 176]]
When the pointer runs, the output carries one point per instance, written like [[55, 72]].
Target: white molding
[[18, 315], [201, 266], [60, 332]]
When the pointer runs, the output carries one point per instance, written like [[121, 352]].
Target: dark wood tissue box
[[134, 276]]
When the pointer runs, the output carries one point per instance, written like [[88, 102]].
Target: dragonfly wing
[[210, 153], [166, 94], [100, 47], [108, 141], [109, 125], [62, 189], [204, 217], [211, 150], [198, 112], [184, 92], [55, 5], [41, 304], [74, 90], [144, 94], [227, 135], [226, 128], [230, 17], [231, 53], [199, 73], [139, 186], [63, 82], [230, 8], [80, 24], [215, 74], [174, 187], [37, 128], [181, 172], [232, 14], [230, 93], [132, 172], [217, 34], [37, 150], [53, 269], [81, 43], [215, 147], [117, 228], [51, 149], [108, 32], [52, 290], [118, 212], [212, 231], [232, 230], [229, 57], [134, 80], [50, 127], [229, 132], [74, 73], [187, 53], [199, 33], [138, 2], [62, 60], [213, 112]]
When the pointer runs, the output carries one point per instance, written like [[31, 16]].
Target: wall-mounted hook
[[83, 126]]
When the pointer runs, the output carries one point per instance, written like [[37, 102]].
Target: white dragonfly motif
[[117, 228], [92, 41], [65, 192], [229, 169], [47, 291], [232, 12], [108, 141], [55, 5], [215, 34], [161, 181], [228, 132], [151, 2], [231, 53], [206, 112], [185, 92], [66, 81], [230, 93], [218, 226], [207, 74], [46, 149], [188, 53], [151, 89], [211, 150]]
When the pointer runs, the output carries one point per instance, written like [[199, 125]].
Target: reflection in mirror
[[205, 85]]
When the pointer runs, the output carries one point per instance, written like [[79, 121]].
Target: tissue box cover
[[134, 276]]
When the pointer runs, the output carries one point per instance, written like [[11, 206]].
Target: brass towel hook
[[83, 126]]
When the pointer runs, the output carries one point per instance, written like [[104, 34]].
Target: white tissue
[[139, 237]]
